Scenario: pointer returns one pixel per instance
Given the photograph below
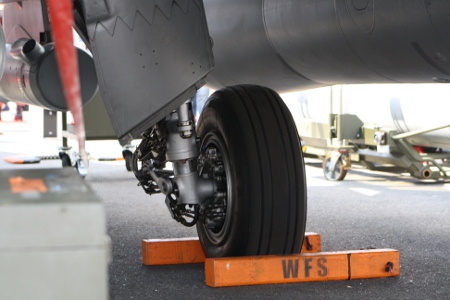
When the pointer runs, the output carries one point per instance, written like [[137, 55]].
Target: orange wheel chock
[[308, 267], [189, 250]]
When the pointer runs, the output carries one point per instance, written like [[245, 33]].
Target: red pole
[[61, 22]]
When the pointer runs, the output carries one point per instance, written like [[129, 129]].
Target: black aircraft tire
[[256, 136]]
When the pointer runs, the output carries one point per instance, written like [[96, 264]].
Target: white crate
[[53, 242]]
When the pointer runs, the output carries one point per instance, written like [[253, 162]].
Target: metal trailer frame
[[345, 139]]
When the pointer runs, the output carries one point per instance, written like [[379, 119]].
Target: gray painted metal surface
[[50, 123], [299, 44], [150, 57], [24, 20], [96, 121]]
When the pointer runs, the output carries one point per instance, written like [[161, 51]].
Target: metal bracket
[[335, 156]]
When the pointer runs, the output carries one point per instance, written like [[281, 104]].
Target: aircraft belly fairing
[[328, 42]]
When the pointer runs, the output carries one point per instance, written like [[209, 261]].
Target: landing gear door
[[150, 57]]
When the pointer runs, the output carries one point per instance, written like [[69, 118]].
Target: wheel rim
[[332, 175], [218, 234]]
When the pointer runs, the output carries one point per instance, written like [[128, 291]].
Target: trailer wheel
[[65, 159], [339, 171], [127, 155], [250, 146]]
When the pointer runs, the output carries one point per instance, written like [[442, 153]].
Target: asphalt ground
[[367, 209]]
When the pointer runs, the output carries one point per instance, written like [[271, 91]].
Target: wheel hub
[[215, 211]]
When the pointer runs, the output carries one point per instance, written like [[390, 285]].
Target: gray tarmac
[[367, 209]]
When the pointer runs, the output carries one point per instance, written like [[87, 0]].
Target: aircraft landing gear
[[261, 176], [245, 180], [173, 140]]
